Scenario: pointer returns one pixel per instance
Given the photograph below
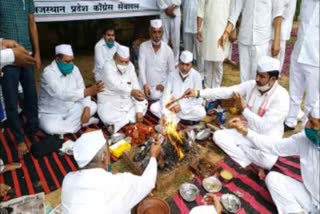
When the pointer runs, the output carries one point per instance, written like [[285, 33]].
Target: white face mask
[[264, 88], [156, 43], [184, 75], [122, 68]]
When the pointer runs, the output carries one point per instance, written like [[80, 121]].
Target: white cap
[[123, 51], [267, 63], [186, 57], [156, 23], [315, 112], [87, 146], [64, 49]]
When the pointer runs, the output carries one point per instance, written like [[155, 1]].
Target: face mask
[[109, 44], [312, 135], [156, 43], [122, 68], [184, 75], [65, 68]]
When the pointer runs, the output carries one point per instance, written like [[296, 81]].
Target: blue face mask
[[312, 135], [109, 44], [65, 68]]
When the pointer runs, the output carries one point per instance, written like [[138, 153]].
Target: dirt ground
[[86, 64]]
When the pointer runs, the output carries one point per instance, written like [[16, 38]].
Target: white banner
[[66, 10]]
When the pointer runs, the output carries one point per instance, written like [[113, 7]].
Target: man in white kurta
[[190, 41], [286, 27], [64, 102], [156, 61], [264, 105], [104, 50], [93, 189], [122, 101], [255, 32], [170, 15], [305, 63], [290, 195], [212, 19], [178, 82]]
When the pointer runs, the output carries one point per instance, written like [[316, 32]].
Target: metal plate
[[231, 203]]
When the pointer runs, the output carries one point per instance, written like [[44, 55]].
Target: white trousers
[[195, 113], [111, 115], [171, 28], [213, 73], [241, 150], [68, 123], [303, 78], [191, 44], [282, 54], [249, 56], [289, 195]]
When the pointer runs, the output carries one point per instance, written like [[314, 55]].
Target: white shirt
[[118, 87], [176, 87], [102, 54], [59, 93], [288, 15], [164, 4], [271, 123], [297, 144], [190, 8], [154, 67], [306, 49], [98, 191], [256, 20]]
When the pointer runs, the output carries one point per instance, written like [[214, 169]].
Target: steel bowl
[[189, 191], [212, 184], [231, 202]]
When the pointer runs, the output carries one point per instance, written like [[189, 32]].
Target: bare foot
[[11, 167], [4, 189], [22, 149]]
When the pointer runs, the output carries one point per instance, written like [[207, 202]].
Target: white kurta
[[171, 26], [255, 31], [214, 14], [100, 192], [61, 100], [6, 57], [154, 67], [116, 106], [271, 123], [289, 195], [102, 54], [191, 109], [305, 65]]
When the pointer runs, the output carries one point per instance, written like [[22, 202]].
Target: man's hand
[[223, 39], [191, 93], [160, 87], [199, 36], [155, 149], [275, 50], [139, 117], [94, 89], [211, 199], [4, 189], [85, 117], [147, 90], [238, 124], [38, 61], [240, 102], [8, 43], [170, 11], [175, 109], [137, 94], [22, 57]]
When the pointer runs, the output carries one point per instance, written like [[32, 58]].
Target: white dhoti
[[155, 94], [171, 30], [66, 123], [112, 115], [249, 55], [191, 44], [241, 150], [213, 73], [303, 78], [194, 113], [289, 195]]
